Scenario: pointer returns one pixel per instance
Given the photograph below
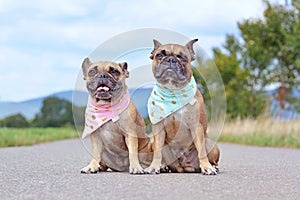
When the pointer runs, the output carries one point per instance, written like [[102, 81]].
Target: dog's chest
[[115, 152], [177, 125], [112, 137]]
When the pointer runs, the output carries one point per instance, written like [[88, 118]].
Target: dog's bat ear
[[124, 68], [189, 45], [85, 66], [156, 45]]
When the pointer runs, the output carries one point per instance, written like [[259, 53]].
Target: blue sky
[[43, 42]]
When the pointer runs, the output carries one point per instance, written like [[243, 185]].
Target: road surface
[[52, 171]]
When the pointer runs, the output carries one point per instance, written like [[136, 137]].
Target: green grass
[[262, 140], [29, 136]]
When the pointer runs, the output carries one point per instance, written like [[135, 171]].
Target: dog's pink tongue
[[103, 88]]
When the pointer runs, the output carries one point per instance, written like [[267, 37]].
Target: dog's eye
[[93, 72], [159, 56], [182, 58], [114, 71]]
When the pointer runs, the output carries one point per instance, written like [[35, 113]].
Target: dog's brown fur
[[116, 145], [180, 140]]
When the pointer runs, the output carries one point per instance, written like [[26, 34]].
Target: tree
[[15, 121], [282, 41], [55, 112], [235, 78], [266, 52]]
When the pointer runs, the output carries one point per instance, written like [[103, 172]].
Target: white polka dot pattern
[[163, 101]]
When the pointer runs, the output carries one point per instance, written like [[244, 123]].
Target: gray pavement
[[52, 171]]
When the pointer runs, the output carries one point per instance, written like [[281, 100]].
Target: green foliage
[[267, 51], [211, 86], [16, 121], [295, 102], [55, 112], [282, 41]]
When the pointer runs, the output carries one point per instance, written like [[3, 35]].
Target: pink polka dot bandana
[[98, 114]]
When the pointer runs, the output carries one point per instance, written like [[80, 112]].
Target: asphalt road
[[52, 171]]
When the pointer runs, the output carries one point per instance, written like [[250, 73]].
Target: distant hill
[[140, 96], [31, 107]]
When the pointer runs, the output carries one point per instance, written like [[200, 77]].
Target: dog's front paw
[[208, 169], [136, 169], [152, 169], [93, 167]]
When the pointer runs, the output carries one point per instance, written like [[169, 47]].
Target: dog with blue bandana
[[177, 113]]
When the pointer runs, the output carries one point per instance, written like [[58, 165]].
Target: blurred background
[[255, 45]]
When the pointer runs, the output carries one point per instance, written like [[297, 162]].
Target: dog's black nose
[[171, 59], [102, 75]]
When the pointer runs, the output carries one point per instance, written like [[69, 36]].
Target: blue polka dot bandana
[[164, 101]]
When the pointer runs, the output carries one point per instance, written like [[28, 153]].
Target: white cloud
[[27, 75], [43, 42], [46, 8], [184, 14]]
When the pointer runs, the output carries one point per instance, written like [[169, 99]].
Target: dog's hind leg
[[213, 153], [170, 160]]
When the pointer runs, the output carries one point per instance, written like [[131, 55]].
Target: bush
[[15, 121], [55, 112]]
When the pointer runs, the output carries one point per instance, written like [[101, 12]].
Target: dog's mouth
[[178, 71], [103, 92], [171, 76], [102, 88], [166, 73]]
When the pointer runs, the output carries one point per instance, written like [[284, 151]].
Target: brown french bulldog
[[116, 129], [176, 110]]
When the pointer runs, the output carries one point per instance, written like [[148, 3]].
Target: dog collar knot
[[98, 114], [163, 101]]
